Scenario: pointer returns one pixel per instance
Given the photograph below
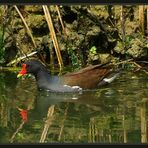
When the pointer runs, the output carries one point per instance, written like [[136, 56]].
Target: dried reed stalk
[[57, 8], [123, 26], [91, 134], [143, 123], [27, 28], [124, 129], [141, 18], [147, 20], [47, 123], [53, 35], [62, 126]]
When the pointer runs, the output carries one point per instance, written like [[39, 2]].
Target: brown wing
[[88, 77]]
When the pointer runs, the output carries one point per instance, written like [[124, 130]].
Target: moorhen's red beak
[[23, 71]]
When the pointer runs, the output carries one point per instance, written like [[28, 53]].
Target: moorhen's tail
[[110, 78]]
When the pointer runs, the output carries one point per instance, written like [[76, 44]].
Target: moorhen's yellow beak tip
[[19, 75]]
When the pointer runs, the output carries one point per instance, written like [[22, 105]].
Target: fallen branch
[[21, 58]]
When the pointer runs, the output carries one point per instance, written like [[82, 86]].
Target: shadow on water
[[45, 99], [116, 113]]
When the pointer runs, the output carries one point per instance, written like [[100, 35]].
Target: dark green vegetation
[[73, 35]]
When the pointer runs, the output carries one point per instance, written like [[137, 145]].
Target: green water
[[116, 113]]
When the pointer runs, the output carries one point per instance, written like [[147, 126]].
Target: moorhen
[[87, 78]]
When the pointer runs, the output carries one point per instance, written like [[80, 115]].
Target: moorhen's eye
[[28, 67]]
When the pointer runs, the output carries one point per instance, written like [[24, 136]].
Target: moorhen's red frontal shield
[[23, 71]]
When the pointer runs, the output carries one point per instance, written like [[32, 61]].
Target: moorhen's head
[[32, 67]]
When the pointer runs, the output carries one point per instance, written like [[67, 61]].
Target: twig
[[47, 123], [123, 62], [130, 61], [139, 66], [18, 129]]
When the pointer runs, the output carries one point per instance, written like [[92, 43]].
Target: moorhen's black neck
[[42, 75], [43, 78]]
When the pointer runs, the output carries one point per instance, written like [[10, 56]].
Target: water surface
[[116, 113]]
